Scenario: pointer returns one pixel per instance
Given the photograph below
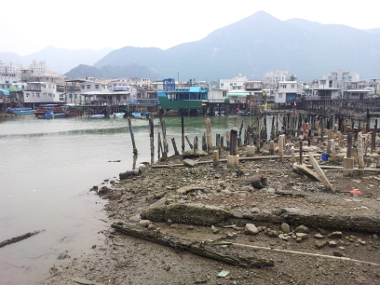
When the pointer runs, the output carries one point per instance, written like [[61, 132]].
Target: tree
[[292, 77]]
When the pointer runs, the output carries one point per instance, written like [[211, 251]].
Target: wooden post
[[188, 141], [258, 147], [159, 146], [195, 143], [208, 135], [281, 141], [373, 137], [233, 158], [228, 139], [204, 144], [165, 143], [271, 147], [348, 162], [349, 145], [151, 135], [360, 153], [175, 147], [216, 159], [219, 144], [301, 153], [132, 136], [293, 155], [183, 133]]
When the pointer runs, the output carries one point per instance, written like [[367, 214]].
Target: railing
[[142, 101], [118, 88]]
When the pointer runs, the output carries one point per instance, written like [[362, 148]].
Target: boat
[[49, 114], [117, 115], [182, 96], [142, 116], [21, 111], [70, 111], [96, 116], [243, 113]]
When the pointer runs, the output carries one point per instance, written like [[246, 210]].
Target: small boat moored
[[96, 116], [49, 114], [117, 115], [21, 111], [143, 116]]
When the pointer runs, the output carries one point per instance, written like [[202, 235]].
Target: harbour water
[[47, 168]]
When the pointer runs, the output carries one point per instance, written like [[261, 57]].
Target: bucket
[[324, 157]]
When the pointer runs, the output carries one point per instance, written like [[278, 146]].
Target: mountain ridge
[[252, 46]]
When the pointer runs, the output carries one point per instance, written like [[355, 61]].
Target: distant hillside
[[252, 47], [58, 59]]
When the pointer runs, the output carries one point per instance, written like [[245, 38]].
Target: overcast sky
[[28, 26]]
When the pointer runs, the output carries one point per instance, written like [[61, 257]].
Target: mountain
[[253, 46], [57, 59]]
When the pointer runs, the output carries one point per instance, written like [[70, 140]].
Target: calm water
[[47, 168]]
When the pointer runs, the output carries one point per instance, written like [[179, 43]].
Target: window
[[222, 84], [88, 86], [83, 86], [280, 95], [292, 86], [96, 86]]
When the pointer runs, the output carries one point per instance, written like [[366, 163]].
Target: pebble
[[251, 229], [302, 235], [144, 223], [285, 228], [318, 236], [301, 229], [255, 210], [335, 235]]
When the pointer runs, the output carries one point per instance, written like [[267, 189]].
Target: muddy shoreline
[[194, 223]]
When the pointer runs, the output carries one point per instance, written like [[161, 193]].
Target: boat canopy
[[5, 92], [239, 94]]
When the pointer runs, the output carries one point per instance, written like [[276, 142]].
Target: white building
[[216, 95], [39, 72], [9, 73], [234, 84], [272, 78], [43, 93], [288, 91], [340, 85]]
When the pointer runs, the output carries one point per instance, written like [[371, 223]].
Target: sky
[[29, 26]]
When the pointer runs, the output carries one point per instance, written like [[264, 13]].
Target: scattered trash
[[223, 273], [324, 157], [355, 191]]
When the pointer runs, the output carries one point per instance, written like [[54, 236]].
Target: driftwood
[[321, 174], [302, 168], [286, 251], [198, 248], [18, 238]]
